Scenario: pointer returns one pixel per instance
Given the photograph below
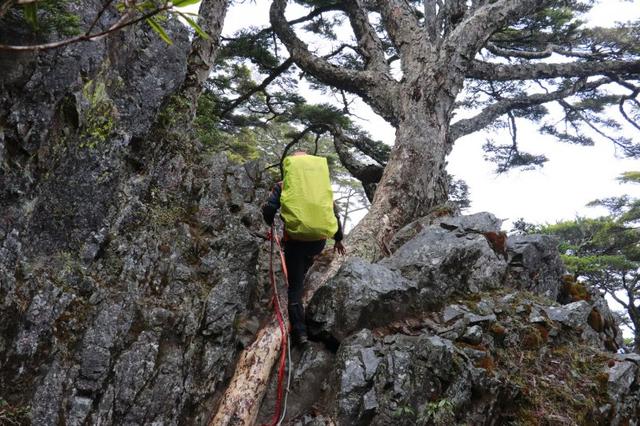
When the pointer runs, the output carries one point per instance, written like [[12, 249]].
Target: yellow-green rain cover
[[306, 202]]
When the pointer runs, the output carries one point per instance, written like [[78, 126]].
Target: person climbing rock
[[305, 201]]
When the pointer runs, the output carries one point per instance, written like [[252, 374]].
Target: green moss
[[166, 215], [555, 384], [99, 117], [175, 112], [14, 415]]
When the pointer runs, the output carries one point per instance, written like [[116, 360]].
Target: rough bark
[[203, 51], [413, 182], [251, 378]]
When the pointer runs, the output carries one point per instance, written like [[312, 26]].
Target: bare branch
[[313, 14], [635, 90], [86, 37], [368, 174], [492, 112], [624, 113], [297, 138], [430, 20], [353, 81], [540, 54], [203, 51], [406, 33], [98, 16], [472, 33], [503, 72]]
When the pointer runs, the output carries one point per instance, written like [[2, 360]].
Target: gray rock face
[[534, 264], [84, 110], [127, 269], [361, 295], [572, 315], [451, 258], [382, 381]]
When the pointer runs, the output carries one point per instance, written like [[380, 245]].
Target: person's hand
[[338, 247]]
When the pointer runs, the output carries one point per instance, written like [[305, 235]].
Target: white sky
[[573, 176]]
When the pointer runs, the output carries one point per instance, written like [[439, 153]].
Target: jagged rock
[[473, 335], [475, 319], [573, 315], [409, 372], [452, 312], [447, 260], [411, 230], [361, 295], [535, 264], [478, 222], [621, 376]]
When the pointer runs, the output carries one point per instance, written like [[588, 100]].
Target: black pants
[[298, 256]]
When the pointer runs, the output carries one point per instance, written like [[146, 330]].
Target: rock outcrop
[[418, 338], [128, 265]]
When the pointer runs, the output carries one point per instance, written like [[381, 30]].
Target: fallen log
[[243, 397]]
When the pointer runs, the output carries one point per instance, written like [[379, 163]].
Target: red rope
[[283, 329]]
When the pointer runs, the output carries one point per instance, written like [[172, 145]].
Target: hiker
[[310, 216]]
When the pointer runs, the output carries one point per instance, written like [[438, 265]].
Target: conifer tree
[[606, 251]]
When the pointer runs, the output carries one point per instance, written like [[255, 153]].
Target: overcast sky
[[572, 177]]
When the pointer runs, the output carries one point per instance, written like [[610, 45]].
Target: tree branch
[[539, 54], [203, 51], [368, 174], [430, 20], [635, 90], [473, 32], [297, 138], [85, 37], [98, 16], [567, 106], [353, 81], [405, 32], [503, 72], [259, 88], [492, 112], [368, 41]]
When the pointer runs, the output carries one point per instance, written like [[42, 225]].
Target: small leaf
[[158, 29], [31, 15], [183, 3], [195, 26]]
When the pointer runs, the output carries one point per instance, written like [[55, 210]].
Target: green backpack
[[306, 202]]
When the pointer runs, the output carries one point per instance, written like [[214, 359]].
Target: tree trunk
[[414, 181]]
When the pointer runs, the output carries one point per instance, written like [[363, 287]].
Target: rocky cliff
[[128, 268], [132, 272]]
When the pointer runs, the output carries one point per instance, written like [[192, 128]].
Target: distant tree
[[606, 251]]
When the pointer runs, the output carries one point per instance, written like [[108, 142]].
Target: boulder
[[452, 258], [361, 295], [535, 264]]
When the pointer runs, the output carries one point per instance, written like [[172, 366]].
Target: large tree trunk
[[414, 180]]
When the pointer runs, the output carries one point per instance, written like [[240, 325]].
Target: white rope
[[286, 392]]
